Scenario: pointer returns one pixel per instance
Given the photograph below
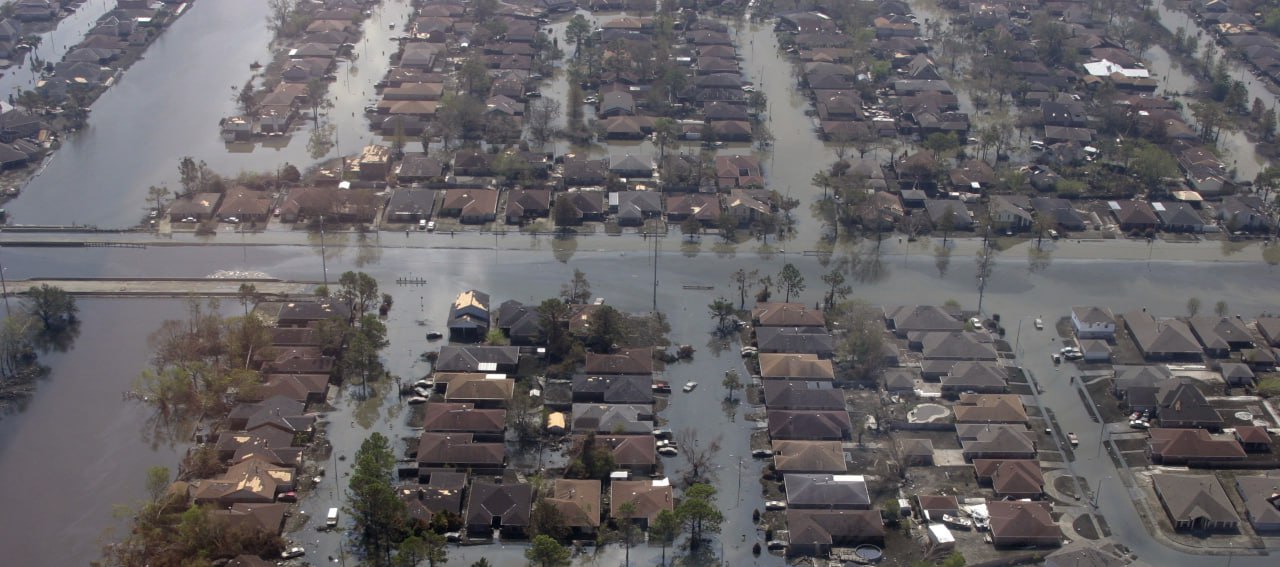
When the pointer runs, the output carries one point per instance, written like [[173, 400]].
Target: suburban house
[[827, 492], [635, 207], [1016, 478], [802, 395], [485, 424], [484, 359], [461, 452], [790, 366], [996, 442], [1093, 322], [982, 377], [469, 317], [633, 419], [470, 206], [634, 453], [527, 204], [648, 496], [916, 452], [482, 390], [955, 345], [913, 318], [578, 502], [779, 314], [810, 425], [1181, 405], [1261, 503], [1253, 438], [795, 456], [1020, 524], [1195, 502], [1182, 446], [613, 389], [442, 493], [934, 506], [409, 206], [1237, 374], [504, 507], [1221, 335], [625, 361], [815, 532], [1166, 339], [247, 482], [1134, 215], [522, 324], [795, 340]]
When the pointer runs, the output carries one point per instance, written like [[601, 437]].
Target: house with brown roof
[[487, 424], [625, 361], [934, 506], [648, 496], [916, 452], [777, 314], [990, 408], [1019, 524], [503, 507], [249, 481], [265, 518], [792, 366], [738, 171], [442, 493], [810, 425], [808, 457], [705, 208], [635, 453], [1017, 478], [795, 340], [993, 441], [1092, 322], [470, 206], [305, 388], [482, 390], [1181, 446], [461, 452], [578, 502], [1253, 438], [527, 204], [244, 206], [815, 532], [1195, 502]]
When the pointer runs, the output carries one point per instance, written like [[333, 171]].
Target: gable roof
[[631, 450], [1011, 477], [957, 345], [908, 318], [459, 449], [440, 416], [458, 358], [578, 502], [810, 424], [1173, 445], [1019, 520], [613, 418], [977, 375], [617, 389], [1259, 495], [1161, 338], [802, 395], [990, 408], [827, 527], [794, 340]]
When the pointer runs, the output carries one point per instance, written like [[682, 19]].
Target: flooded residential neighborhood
[[639, 282]]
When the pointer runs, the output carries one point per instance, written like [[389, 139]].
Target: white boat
[[417, 400], [689, 386], [1039, 324], [667, 451], [957, 522]]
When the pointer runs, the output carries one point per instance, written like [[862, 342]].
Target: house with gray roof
[[1093, 322], [912, 318], [944, 211], [827, 492], [1182, 405], [802, 395], [1221, 335], [619, 389], [810, 425], [635, 207], [956, 345], [1195, 502], [1179, 217], [613, 418], [797, 340], [491, 359], [1165, 339], [983, 377], [995, 441], [1261, 500]]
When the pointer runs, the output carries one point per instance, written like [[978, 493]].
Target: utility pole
[[657, 244], [324, 262], [4, 289]]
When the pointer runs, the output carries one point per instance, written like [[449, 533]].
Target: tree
[[577, 31], [700, 454], [743, 279], [317, 91], [1220, 308], [578, 290], [766, 285], [280, 15], [54, 307], [1193, 306], [728, 225], [663, 531], [862, 345], [430, 547], [17, 351], [482, 562], [359, 290], [699, 514], [627, 528], [547, 552], [555, 319], [546, 519], [731, 382], [361, 357], [836, 288], [607, 330], [690, 227], [188, 175], [566, 214], [541, 117], [380, 515], [721, 310], [157, 195], [247, 293], [592, 459], [666, 133], [1153, 165], [1043, 224], [791, 281]]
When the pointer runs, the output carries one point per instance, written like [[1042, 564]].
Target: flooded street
[[168, 106]]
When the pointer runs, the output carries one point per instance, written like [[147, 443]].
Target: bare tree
[[542, 116], [699, 453]]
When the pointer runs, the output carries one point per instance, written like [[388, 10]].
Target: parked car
[[762, 454], [775, 505], [292, 552], [1075, 441]]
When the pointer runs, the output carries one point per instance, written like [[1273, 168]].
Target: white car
[[292, 552], [775, 505], [431, 226]]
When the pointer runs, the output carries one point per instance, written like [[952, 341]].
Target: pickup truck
[[1075, 441]]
